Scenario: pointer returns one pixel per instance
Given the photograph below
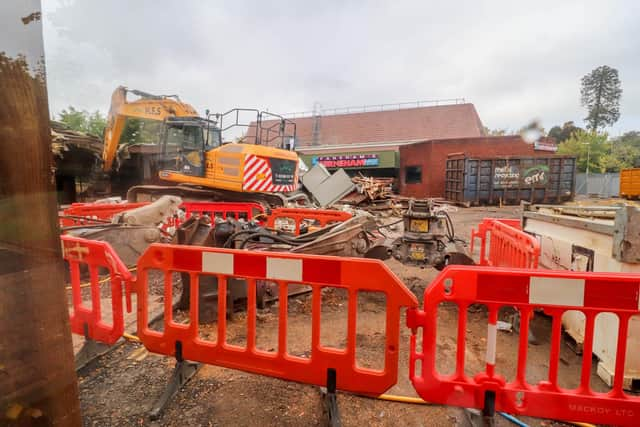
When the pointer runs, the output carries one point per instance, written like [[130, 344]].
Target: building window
[[413, 174]]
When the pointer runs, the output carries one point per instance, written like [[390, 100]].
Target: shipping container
[[510, 180], [630, 183]]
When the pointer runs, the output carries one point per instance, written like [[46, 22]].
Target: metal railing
[[375, 107]]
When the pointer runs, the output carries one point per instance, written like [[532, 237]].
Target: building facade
[[423, 164]]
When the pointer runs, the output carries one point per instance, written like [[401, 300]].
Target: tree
[[83, 121], [625, 152], [587, 146], [495, 132], [600, 93], [561, 134]]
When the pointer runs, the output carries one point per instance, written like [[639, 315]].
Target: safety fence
[[92, 213], [291, 219], [508, 245], [224, 210], [90, 257], [525, 289], [318, 272], [285, 219]]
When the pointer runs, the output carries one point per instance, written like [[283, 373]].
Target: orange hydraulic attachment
[[315, 217], [526, 289], [94, 256], [353, 274], [509, 246]]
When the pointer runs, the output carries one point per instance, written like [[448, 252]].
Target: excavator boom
[[139, 121]]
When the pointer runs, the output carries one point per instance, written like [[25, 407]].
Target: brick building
[[423, 164], [367, 141]]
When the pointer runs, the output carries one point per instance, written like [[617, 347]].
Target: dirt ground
[[122, 385]]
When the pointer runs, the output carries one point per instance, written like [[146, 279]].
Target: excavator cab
[[185, 142]]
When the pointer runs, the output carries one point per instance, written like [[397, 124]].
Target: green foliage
[[604, 155], [625, 152], [83, 121], [600, 93], [495, 132], [587, 145], [563, 133]]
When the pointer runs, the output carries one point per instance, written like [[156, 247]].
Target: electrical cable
[[513, 419], [281, 239]]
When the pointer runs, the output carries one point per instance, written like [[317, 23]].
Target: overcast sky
[[514, 62]]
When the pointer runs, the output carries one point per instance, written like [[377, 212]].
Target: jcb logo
[[152, 110]]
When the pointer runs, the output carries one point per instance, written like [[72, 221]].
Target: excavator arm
[[154, 108]]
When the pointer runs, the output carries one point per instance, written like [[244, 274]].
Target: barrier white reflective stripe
[[556, 291], [217, 263], [492, 337], [284, 269]]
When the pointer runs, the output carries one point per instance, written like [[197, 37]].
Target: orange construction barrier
[[87, 213], [509, 246], [590, 293], [92, 256], [223, 210], [353, 274], [297, 216]]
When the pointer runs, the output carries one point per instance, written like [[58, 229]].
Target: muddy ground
[[122, 386]]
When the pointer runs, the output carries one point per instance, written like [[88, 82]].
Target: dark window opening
[[413, 174]]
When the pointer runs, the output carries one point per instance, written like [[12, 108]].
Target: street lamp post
[[588, 144]]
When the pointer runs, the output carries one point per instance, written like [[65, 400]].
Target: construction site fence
[[291, 219], [91, 213], [285, 219], [524, 289], [504, 244]]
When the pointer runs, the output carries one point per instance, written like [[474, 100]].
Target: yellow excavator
[[161, 142]]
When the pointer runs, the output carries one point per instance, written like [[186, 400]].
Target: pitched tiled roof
[[410, 124]]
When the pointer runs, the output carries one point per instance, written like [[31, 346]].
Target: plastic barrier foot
[[330, 401], [90, 350], [182, 373]]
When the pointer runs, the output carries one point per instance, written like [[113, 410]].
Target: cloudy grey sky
[[515, 62]]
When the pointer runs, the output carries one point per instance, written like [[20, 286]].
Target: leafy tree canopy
[[83, 121], [563, 133], [604, 154]]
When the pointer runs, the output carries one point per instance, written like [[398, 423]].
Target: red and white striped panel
[[595, 291], [257, 176], [258, 265]]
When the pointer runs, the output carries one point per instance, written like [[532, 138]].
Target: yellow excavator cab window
[[140, 131]]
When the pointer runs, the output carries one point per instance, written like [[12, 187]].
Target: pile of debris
[[369, 190], [374, 188], [77, 158], [65, 140]]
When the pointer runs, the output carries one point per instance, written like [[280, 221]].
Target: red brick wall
[[432, 157]]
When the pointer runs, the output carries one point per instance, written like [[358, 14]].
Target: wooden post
[[38, 384]]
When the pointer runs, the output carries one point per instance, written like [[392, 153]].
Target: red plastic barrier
[[509, 246], [86, 213], [223, 209], [321, 217], [83, 213], [94, 255], [591, 293], [318, 272]]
